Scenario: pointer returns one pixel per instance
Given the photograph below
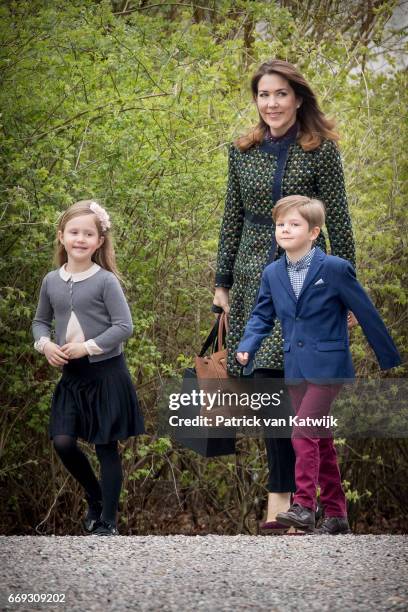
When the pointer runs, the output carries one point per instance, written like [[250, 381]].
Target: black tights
[[280, 453], [78, 465]]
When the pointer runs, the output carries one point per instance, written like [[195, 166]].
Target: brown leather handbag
[[214, 365], [211, 369], [208, 375]]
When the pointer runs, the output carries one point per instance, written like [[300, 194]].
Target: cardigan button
[[300, 343]]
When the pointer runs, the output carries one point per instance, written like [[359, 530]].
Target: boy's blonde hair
[[311, 209], [105, 255]]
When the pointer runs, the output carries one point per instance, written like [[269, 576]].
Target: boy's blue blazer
[[314, 326]]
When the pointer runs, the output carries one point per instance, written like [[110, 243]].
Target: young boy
[[311, 293]]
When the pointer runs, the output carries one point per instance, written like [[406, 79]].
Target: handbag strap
[[223, 329], [211, 338], [216, 337]]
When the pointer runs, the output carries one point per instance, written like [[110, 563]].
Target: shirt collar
[[290, 133], [78, 276], [303, 263]]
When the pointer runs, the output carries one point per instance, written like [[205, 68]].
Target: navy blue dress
[[96, 402]]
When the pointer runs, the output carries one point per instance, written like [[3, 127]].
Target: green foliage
[[136, 110]]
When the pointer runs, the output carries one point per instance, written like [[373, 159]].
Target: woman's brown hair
[[314, 125], [105, 255]]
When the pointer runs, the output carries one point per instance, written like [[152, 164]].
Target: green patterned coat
[[244, 246]]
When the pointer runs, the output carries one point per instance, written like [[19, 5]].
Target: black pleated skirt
[[96, 402]]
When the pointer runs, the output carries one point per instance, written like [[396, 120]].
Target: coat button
[[297, 319], [300, 343]]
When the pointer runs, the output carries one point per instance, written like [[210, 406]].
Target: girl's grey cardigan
[[99, 304]]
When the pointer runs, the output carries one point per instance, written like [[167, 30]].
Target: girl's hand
[[243, 358], [54, 354], [351, 320], [74, 350], [221, 298]]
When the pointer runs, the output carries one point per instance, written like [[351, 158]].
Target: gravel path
[[208, 573]]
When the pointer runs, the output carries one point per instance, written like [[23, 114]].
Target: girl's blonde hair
[[309, 208], [314, 126], [105, 255]]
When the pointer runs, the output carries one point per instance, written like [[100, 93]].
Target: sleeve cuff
[[393, 362], [224, 280], [39, 344], [92, 348], [217, 309]]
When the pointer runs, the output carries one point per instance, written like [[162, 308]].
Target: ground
[[208, 573]]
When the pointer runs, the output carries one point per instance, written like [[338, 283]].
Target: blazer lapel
[[284, 277], [315, 265]]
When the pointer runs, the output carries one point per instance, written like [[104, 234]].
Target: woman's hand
[[74, 350], [242, 358], [351, 320], [55, 355], [221, 299]]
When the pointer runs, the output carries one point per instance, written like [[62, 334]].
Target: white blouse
[[74, 331]]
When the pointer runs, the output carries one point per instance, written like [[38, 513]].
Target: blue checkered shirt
[[297, 271]]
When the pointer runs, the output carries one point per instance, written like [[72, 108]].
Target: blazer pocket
[[331, 345], [286, 346]]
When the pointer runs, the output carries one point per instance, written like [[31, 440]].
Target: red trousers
[[316, 459]]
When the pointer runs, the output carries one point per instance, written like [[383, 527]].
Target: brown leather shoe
[[272, 525], [272, 528]]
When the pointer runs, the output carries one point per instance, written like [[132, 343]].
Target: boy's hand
[[243, 358], [55, 355], [74, 350]]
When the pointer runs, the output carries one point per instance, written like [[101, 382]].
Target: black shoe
[[93, 515], [333, 525], [103, 528], [298, 516]]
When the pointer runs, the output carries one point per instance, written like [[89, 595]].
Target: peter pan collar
[[78, 276]]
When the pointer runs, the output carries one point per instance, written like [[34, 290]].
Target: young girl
[[95, 398]]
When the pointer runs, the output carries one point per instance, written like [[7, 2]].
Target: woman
[[292, 150]]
